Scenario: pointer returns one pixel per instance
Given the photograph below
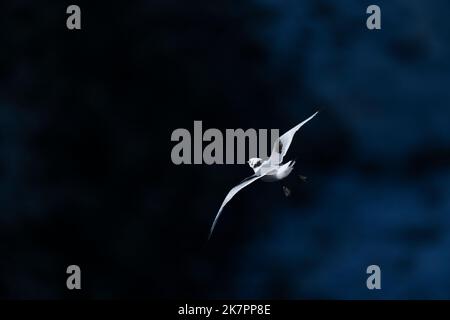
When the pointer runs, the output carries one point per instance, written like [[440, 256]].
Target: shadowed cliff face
[[86, 176]]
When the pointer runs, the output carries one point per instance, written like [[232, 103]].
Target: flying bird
[[271, 169]]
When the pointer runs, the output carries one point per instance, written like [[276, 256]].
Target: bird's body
[[279, 173], [268, 170]]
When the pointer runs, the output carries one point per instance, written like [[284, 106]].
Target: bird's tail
[[289, 168], [292, 163]]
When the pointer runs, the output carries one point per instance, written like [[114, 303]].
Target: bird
[[269, 170]]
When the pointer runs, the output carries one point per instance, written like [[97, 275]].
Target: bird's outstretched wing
[[233, 192], [282, 144]]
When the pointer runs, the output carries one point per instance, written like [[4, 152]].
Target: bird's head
[[254, 162]]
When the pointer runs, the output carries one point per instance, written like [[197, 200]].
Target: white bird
[[271, 169]]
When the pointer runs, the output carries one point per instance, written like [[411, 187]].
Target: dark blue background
[[86, 176]]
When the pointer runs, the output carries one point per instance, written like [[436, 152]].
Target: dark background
[[86, 176]]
